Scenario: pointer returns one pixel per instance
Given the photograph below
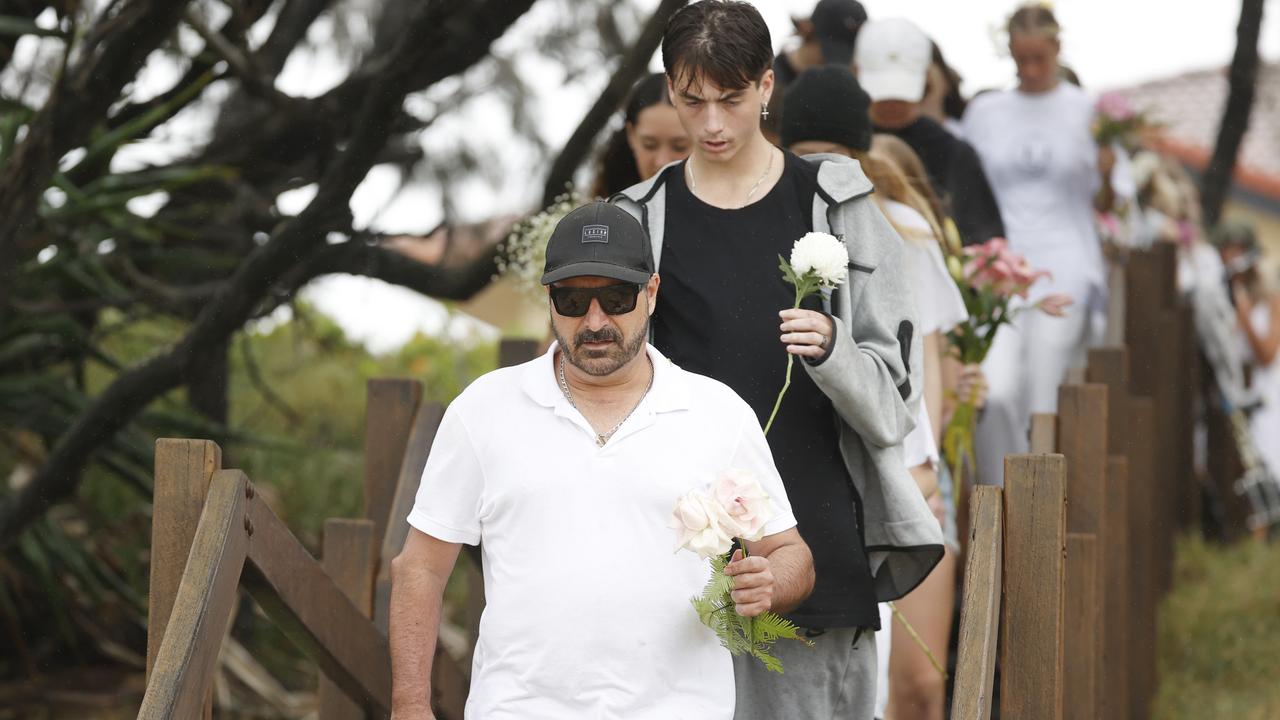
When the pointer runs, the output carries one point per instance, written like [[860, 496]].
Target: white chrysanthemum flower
[[821, 255]]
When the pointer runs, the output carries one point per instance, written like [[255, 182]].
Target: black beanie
[[826, 103]]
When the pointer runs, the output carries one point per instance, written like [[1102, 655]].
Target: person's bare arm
[[777, 576], [1264, 347], [418, 577]]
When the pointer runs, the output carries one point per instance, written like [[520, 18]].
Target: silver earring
[[764, 112]]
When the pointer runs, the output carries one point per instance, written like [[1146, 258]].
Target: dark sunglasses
[[614, 299]]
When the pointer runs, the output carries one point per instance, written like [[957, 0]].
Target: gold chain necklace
[[602, 438], [693, 183]]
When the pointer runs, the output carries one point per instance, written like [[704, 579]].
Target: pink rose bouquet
[[706, 523], [1115, 120], [990, 276]]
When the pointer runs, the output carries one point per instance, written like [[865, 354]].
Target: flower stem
[[786, 384], [918, 640], [800, 294]]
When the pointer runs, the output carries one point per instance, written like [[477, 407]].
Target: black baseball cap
[[598, 239], [836, 24]]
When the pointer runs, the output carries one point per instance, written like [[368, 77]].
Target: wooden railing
[[1122, 437], [212, 534]]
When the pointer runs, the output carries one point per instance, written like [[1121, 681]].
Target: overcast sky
[[1110, 43]]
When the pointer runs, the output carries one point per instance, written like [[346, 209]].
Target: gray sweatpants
[[835, 680]]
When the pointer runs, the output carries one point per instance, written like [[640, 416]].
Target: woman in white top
[[1258, 314], [826, 111], [1047, 173]]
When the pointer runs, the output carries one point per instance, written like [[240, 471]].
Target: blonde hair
[[1034, 19]]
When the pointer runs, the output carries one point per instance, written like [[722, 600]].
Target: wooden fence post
[[980, 610], [1144, 490], [1032, 632], [348, 558], [1044, 433], [1115, 686], [181, 678], [183, 471], [390, 407], [1082, 438], [421, 436]]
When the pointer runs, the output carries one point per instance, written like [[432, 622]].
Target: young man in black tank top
[[718, 222]]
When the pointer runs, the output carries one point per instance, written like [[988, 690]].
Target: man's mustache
[[601, 335]]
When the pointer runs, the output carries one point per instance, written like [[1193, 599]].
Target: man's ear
[[766, 85], [651, 291]]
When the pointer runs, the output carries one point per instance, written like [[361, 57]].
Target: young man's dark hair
[[724, 41]]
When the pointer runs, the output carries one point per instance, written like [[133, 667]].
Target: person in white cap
[[892, 59]]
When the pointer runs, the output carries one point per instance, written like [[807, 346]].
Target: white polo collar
[[670, 392]]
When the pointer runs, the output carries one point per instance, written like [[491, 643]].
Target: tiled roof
[[1190, 107]]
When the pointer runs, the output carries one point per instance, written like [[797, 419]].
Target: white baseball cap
[[892, 58]]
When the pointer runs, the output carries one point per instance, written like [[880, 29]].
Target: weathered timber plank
[[1082, 650], [1115, 644], [1044, 433], [301, 599], [1031, 632], [389, 411], [182, 678], [348, 559], [423, 434], [980, 610]]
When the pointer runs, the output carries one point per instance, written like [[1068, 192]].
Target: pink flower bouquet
[[706, 523], [990, 276], [1115, 120]]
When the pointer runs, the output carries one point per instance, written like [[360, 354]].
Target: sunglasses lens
[[618, 299], [614, 299], [571, 302]]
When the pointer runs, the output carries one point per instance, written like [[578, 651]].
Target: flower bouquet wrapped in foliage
[[1116, 121], [706, 523], [524, 253], [990, 276]]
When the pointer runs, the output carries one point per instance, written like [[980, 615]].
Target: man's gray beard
[[615, 360]]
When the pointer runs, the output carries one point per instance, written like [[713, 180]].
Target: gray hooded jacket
[[872, 373]]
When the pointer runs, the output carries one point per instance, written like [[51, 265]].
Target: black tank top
[[717, 315]]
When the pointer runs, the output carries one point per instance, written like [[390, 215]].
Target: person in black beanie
[[827, 38], [818, 107]]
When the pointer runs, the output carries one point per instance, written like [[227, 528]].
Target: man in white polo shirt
[[567, 469]]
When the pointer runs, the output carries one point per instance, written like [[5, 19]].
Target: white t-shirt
[[588, 612], [1042, 162], [939, 307]]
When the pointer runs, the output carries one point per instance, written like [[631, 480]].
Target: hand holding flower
[[1055, 305], [806, 333], [752, 584], [819, 263]]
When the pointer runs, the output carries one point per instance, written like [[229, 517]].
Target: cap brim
[[595, 269], [892, 84]]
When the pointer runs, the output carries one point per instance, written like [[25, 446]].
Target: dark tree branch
[[110, 56], [1235, 115], [444, 281], [632, 67], [291, 27], [442, 35]]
